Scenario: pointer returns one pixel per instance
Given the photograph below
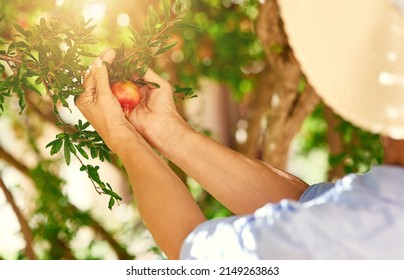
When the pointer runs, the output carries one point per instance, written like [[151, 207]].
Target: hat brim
[[352, 52]]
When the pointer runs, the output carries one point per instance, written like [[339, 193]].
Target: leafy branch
[[50, 56], [153, 41]]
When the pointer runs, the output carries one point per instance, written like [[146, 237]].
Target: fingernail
[[98, 62]]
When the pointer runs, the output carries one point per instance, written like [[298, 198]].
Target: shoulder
[[266, 234], [324, 224]]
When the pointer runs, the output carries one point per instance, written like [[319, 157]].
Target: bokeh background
[[252, 97]]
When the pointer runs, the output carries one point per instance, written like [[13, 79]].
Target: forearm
[[167, 208], [240, 183]]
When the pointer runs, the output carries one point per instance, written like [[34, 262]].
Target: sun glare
[[123, 20], [59, 3], [94, 11]]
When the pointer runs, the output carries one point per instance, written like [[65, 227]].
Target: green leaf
[[141, 82], [87, 54], [165, 48], [22, 71], [56, 146], [106, 155], [111, 203], [93, 152], [179, 7], [61, 135], [21, 100], [67, 151], [32, 57], [186, 25], [38, 81], [82, 152], [21, 30], [152, 18], [21, 44], [85, 125], [63, 101], [167, 9], [111, 193], [11, 48], [72, 148], [42, 23], [101, 156], [93, 174], [76, 91]]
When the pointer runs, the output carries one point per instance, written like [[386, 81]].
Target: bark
[[287, 108], [259, 106], [335, 143]]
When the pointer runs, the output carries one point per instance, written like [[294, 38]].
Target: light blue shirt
[[360, 217]]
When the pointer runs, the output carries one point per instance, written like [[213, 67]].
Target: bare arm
[[240, 183], [166, 206]]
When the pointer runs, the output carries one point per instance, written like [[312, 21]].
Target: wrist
[[120, 142], [173, 132]]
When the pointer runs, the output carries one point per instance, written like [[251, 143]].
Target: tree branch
[[9, 58], [25, 229], [260, 102], [288, 107], [118, 249], [14, 162], [304, 106], [335, 143]]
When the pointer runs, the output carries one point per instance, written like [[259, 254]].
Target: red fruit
[[128, 95]]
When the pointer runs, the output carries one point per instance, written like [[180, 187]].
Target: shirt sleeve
[[315, 191], [267, 234]]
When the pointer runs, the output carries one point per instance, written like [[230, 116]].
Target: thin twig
[[10, 58]]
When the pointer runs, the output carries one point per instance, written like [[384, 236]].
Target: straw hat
[[352, 52]]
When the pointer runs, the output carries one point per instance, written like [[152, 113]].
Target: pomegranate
[[127, 94]]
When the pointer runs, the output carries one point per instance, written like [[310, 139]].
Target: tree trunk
[[287, 102], [335, 143]]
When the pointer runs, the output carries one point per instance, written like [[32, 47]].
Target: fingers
[[99, 78], [108, 55], [100, 74], [90, 84]]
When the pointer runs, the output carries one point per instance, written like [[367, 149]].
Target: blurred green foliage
[[223, 46], [360, 149]]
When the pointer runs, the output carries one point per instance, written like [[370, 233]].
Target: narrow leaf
[[111, 203], [167, 10], [56, 147], [67, 152], [21, 30], [82, 152], [165, 48]]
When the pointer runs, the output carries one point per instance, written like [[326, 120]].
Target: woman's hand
[[156, 116], [101, 108]]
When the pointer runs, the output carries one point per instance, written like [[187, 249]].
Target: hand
[[156, 111], [101, 108]]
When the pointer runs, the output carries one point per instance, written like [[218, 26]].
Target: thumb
[[100, 77]]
